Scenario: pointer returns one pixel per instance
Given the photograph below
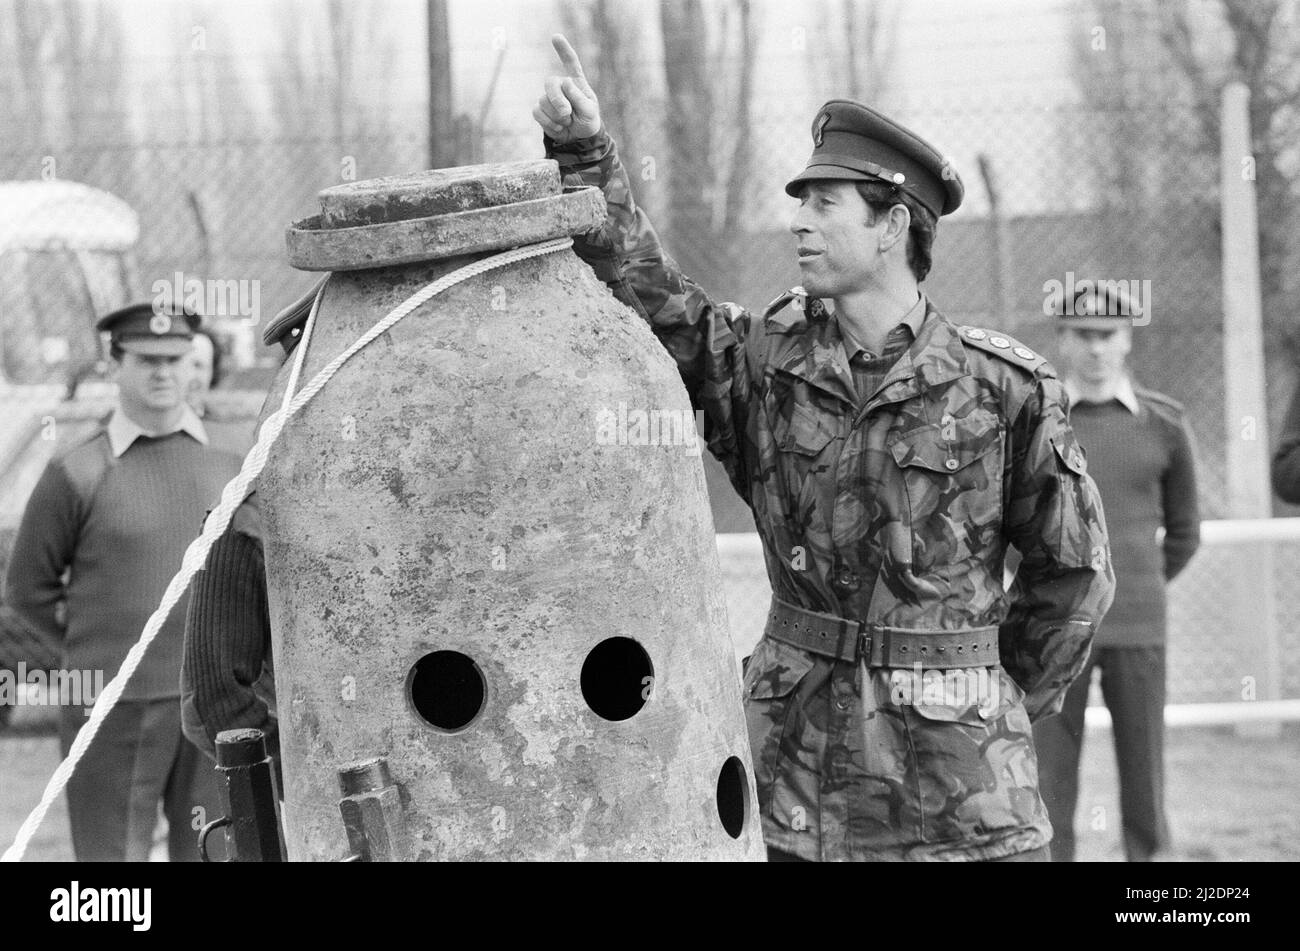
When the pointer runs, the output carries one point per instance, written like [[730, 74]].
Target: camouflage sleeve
[[1064, 583], [706, 340]]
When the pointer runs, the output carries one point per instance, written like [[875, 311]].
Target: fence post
[[1246, 417]]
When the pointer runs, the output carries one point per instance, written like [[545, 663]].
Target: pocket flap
[[950, 445], [970, 695], [775, 669], [1070, 452], [804, 432]]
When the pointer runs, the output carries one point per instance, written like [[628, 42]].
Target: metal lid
[[443, 213], [438, 192]]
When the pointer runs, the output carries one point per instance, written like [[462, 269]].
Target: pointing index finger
[[568, 56]]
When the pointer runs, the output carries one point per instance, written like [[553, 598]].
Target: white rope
[[231, 498], [301, 355]]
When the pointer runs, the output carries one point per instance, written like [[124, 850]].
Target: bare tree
[[852, 52], [26, 121], [300, 102], [1254, 42], [708, 68], [869, 45], [442, 128], [61, 104], [61, 75], [213, 92], [689, 75], [615, 45], [1138, 62], [741, 164], [332, 56]]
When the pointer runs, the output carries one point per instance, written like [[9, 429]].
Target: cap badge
[[819, 128], [160, 323]]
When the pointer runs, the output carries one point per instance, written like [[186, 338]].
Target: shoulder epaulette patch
[[786, 312], [733, 310], [781, 300], [1000, 345], [737, 325]]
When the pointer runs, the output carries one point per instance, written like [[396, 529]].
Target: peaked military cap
[[151, 329], [1095, 305], [854, 142], [285, 327]]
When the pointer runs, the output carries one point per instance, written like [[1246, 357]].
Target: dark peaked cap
[[153, 330], [854, 142], [286, 327]]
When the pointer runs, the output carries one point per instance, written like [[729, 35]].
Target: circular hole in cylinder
[[617, 678], [733, 796], [446, 689]]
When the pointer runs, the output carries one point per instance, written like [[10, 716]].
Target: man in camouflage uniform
[[889, 458]]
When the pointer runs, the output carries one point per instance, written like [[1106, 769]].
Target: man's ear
[[898, 220]]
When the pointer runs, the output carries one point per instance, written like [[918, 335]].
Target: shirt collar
[[1123, 393], [123, 431], [912, 320]]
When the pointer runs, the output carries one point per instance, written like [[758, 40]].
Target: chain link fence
[[1054, 203]]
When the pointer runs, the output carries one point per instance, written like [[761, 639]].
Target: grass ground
[[1231, 798]]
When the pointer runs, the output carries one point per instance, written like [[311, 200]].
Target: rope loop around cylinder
[[233, 495]]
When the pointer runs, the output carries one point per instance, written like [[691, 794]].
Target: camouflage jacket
[[897, 512]]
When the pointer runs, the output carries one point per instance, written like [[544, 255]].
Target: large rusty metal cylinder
[[490, 553]]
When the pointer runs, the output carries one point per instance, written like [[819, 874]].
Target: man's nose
[[797, 223]]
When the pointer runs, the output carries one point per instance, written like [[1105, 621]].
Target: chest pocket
[[804, 438], [803, 432], [952, 474]]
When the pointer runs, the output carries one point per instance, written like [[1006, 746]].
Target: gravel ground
[[1231, 798]]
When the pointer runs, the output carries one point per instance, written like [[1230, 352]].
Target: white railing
[[1234, 621]]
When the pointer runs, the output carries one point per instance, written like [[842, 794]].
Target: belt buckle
[[864, 642]]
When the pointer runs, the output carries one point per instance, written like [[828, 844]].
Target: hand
[[569, 109]]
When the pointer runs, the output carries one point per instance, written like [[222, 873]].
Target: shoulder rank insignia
[[1008, 348], [780, 318], [737, 319]]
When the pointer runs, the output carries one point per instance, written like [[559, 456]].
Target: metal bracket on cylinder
[[373, 814], [250, 796]]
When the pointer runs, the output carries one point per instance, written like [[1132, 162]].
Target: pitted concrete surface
[[451, 490]]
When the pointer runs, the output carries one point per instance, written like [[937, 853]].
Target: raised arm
[[705, 339]]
